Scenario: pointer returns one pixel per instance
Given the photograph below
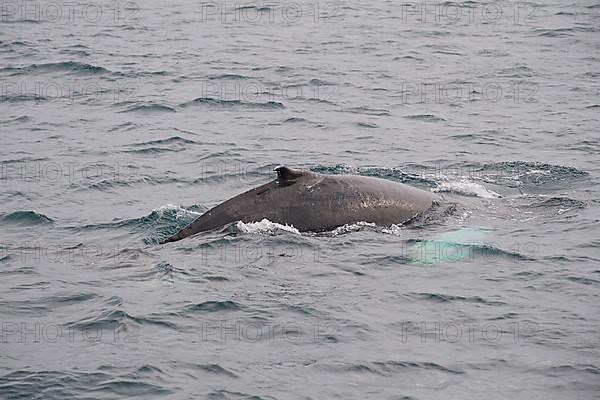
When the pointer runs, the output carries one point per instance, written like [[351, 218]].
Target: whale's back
[[315, 202]]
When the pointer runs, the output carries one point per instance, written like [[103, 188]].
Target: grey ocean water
[[122, 122]]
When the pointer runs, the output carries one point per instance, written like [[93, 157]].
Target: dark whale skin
[[317, 202]]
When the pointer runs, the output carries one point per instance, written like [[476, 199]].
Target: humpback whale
[[317, 202]]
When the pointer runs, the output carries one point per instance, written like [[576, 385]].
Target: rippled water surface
[[122, 122]]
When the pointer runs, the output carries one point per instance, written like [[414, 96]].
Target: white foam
[[467, 188], [393, 229], [265, 226], [357, 226], [172, 207]]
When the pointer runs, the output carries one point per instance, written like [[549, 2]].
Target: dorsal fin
[[287, 176]]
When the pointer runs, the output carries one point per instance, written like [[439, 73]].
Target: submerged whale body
[[316, 202]]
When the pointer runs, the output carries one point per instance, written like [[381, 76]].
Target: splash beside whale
[[317, 202]]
